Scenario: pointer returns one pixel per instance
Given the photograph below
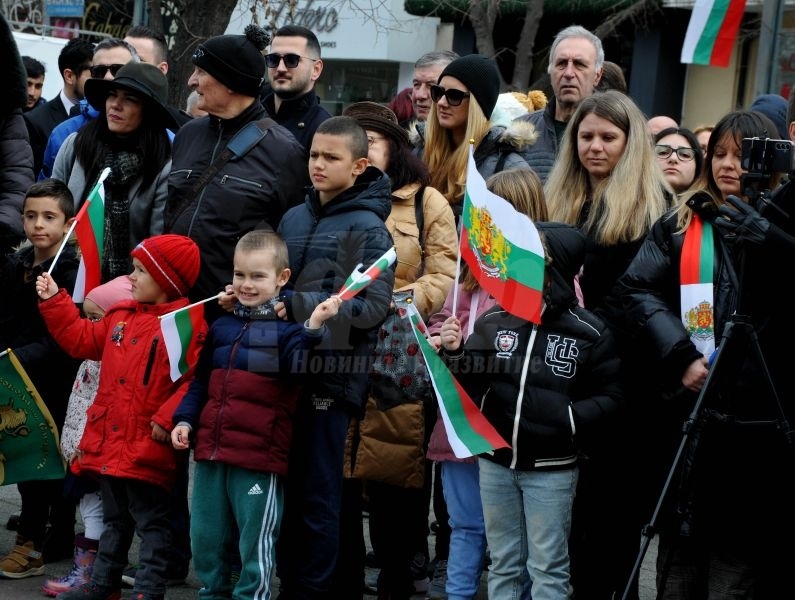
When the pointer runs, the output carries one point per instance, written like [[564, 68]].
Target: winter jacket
[[135, 386], [84, 389], [541, 155], [252, 191], [429, 269], [242, 401], [23, 330], [471, 305], [570, 361], [326, 243], [16, 156], [300, 116], [145, 205]]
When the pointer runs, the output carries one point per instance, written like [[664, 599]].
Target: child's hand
[[324, 311], [436, 342], [45, 286], [227, 299], [450, 334], [159, 434], [180, 437], [281, 310]]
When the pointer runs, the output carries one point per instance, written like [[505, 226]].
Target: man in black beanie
[[216, 203]]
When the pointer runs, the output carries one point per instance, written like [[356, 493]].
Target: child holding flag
[[539, 385], [47, 214], [126, 441], [239, 410]]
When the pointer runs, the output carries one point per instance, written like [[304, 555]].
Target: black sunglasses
[[98, 71], [454, 97], [683, 152], [290, 60]]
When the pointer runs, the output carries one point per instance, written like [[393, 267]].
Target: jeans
[[460, 482], [528, 521]]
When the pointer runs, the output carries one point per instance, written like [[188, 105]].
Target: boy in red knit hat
[[126, 443]]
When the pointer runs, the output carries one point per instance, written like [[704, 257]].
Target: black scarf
[[125, 167]]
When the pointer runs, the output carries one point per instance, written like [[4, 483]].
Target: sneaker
[[23, 561], [91, 591], [419, 572], [436, 591], [128, 578]]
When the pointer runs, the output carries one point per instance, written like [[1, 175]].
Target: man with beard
[[294, 65]]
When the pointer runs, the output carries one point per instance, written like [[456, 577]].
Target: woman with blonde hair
[[463, 102], [607, 182]]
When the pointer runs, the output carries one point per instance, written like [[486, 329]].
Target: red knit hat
[[172, 261]]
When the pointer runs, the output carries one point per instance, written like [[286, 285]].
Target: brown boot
[[23, 561]]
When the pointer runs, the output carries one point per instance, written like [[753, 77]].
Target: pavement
[[30, 588]]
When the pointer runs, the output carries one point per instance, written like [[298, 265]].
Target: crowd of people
[[653, 388]]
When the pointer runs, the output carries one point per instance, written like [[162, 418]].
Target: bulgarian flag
[[695, 278], [711, 32], [467, 429], [359, 280], [179, 333], [502, 247], [90, 229]]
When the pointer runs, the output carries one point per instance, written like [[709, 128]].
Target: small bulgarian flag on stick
[[89, 225], [178, 329], [359, 280], [712, 31], [502, 248], [468, 431]]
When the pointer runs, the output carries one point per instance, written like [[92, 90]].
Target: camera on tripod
[[762, 159]]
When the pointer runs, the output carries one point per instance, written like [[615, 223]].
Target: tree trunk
[[523, 66]]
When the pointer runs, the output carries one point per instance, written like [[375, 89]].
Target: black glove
[[740, 222]]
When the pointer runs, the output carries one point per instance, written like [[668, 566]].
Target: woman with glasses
[[733, 492], [129, 137], [679, 156], [607, 182], [463, 101]]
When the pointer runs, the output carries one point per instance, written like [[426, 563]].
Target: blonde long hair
[[447, 163], [624, 205]]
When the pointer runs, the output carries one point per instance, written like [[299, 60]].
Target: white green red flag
[[502, 248], [359, 280], [696, 267], [179, 333], [712, 32], [468, 431], [90, 231]]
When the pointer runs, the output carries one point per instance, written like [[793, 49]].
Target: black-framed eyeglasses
[[290, 60], [684, 153], [98, 71], [454, 97]]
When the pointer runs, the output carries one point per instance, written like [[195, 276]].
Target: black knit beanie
[[235, 60], [480, 75]]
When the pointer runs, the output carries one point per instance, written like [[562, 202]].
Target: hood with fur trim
[[516, 134], [16, 91]]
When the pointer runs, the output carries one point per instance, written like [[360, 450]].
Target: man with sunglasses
[[109, 56], [294, 65], [74, 62], [575, 69]]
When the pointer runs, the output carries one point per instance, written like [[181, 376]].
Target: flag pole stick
[[189, 306], [4, 352], [83, 209], [457, 272]]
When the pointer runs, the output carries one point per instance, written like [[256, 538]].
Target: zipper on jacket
[[222, 403], [150, 361], [240, 180], [204, 191], [520, 398]]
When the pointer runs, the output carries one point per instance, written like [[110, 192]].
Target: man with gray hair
[[427, 69], [575, 68]]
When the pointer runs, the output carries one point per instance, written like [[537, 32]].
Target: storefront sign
[[320, 19]]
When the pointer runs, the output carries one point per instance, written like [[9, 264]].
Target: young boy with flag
[[239, 410], [541, 385], [126, 442], [47, 214]]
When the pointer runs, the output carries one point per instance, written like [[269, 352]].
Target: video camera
[[761, 159]]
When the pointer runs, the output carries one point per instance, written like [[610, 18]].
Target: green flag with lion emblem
[[28, 436]]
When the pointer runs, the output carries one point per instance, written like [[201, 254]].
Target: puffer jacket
[[248, 192], [242, 401], [325, 244], [145, 205], [428, 270], [135, 386], [541, 155], [574, 379]]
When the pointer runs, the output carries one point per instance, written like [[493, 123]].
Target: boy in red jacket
[[126, 441]]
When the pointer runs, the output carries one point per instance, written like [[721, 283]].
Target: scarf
[[125, 167], [696, 266], [263, 311]]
